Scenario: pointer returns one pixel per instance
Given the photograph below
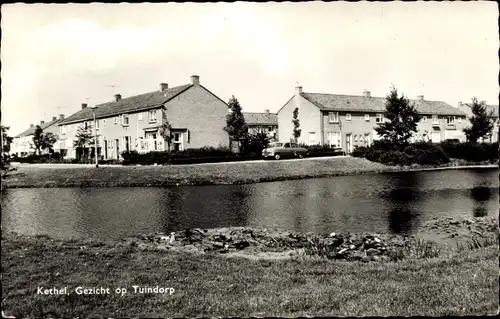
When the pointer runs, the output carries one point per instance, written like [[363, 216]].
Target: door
[[117, 149], [105, 149], [312, 138], [178, 141], [348, 142]]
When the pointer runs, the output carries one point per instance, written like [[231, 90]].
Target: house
[[492, 110], [347, 121], [262, 122], [22, 144], [196, 115]]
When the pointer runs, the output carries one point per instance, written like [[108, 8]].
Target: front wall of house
[[202, 114], [356, 131], [111, 134], [309, 117], [258, 128], [428, 130]]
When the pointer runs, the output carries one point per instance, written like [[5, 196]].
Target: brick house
[[22, 144], [347, 120], [262, 122], [490, 109], [196, 115]]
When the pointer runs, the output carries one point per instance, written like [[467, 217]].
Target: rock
[[218, 244], [377, 240], [376, 258], [372, 251], [333, 234], [342, 251], [366, 259], [241, 244], [352, 247]]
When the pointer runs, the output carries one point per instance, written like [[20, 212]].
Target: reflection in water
[[402, 216], [481, 196], [395, 203]]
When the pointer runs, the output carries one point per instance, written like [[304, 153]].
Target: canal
[[394, 202]]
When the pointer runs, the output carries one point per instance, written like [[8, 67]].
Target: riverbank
[[202, 174], [268, 283]]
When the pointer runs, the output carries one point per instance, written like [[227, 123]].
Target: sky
[[56, 57]]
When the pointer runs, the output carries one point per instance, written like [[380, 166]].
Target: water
[[396, 203]]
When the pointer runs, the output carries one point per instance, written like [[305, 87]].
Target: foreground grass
[[223, 173], [207, 285]]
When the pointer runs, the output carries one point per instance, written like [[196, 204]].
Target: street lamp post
[[95, 138]]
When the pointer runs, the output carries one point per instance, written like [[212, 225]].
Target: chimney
[[266, 111], [84, 106], [163, 87], [54, 118], [41, 122], [61, 116], [32, 125], [298, 90], [118, 97], [195, 80], [420, 97], [366, 93], [460, 104]]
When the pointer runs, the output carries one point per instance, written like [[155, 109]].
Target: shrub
[[470, 151], [394, 158], [359, 151], [130, 157], [254, 143]]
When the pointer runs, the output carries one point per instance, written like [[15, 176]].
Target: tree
[[83, 138], [255, 143], [296, 124], [236, 126], [481, 123], [402, 120], [6, 139], [166, 131], [37, 139], [48, 140]]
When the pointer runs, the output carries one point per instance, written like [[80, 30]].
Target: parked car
[[282, 150]]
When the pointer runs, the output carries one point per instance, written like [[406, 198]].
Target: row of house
[[198, 117]]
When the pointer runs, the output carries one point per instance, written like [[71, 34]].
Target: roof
[[493, 109], [31, 130], [355, 103], [127, 105], [260, 118]]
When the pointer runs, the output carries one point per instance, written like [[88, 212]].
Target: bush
[[394, 158], [254, 143], [359, 151], [471, 152], [130, 157]]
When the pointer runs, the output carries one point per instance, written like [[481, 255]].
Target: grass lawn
[[224, 173], [213, 285]]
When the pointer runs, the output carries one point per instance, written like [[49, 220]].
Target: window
[[312, 138], [367, 117], [125, 120], [348, 116], [450, 120], [177, 141], [86, 125], [379, 118], [356, 138], [459, 119], [334, 139], [424, 118], [139, 116], [269, 128], [104, 122], [435, 119], [97, 124], [367, 139], [152, 116], [333, 117], [115, 120]]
